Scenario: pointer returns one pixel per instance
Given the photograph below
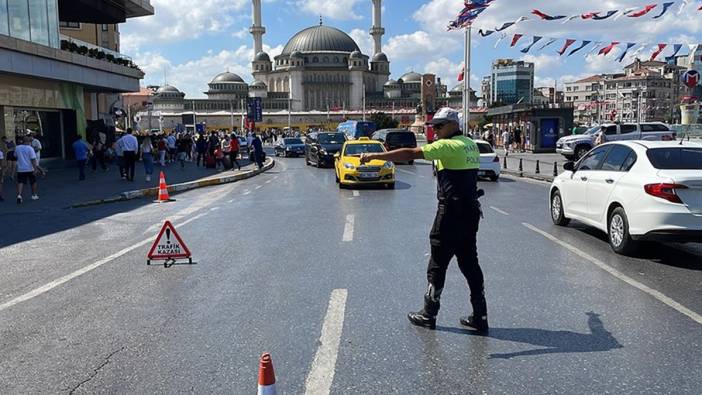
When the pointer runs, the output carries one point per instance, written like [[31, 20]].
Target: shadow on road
[[550, 342]]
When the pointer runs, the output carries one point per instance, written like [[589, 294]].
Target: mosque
[[321, 69]]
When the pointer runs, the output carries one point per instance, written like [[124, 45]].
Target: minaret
[[257, 30], [377, 30]]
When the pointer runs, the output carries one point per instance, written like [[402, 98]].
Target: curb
[[538, 177], [182, 187]]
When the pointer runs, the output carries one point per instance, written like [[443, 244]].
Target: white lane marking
[[247, 192], [406, 171], [499, 211], [348, 228], [62, 280], [230, 201], [356, 193], [321, 375], [275, 178], [621, 276], [214, 209], [259, 187], [268, 182]]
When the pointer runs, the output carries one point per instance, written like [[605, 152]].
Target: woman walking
[[234, 148], [147, 155]]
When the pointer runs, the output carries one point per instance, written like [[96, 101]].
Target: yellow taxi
[[350, 172]]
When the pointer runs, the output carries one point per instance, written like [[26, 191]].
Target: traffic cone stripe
[[266, 376], [163, 189]]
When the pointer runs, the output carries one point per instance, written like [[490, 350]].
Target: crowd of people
[[511, 140], [219, 150]]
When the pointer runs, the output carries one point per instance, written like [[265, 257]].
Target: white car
[[489, 161], [634, 191]]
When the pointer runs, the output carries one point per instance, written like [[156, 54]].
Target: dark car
[[396, 138], [290, 147], [320, 147]]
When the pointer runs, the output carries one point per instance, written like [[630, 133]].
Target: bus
[[354, 130]]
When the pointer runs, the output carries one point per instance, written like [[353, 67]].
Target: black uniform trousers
[[455, 233]]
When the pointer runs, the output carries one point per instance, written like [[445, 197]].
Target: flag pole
[[466, 81]]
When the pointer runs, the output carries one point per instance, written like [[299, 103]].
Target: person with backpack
[[201, 149]]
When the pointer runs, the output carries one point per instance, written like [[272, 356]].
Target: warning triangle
[[168, 244]]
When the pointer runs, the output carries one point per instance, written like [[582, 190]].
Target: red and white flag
[[462, 73]]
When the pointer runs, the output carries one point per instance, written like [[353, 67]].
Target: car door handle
[[609, 181], [583, 178]]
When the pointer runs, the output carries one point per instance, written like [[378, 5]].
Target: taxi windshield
[[358, 149]]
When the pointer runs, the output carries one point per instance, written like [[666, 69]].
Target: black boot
[[427, 317], [477, 323]]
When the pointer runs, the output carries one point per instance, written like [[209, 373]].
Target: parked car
[[634, 191], [350, 172], [289, 146], [575, 147], [320, 147], [396, 139], [489, 161]]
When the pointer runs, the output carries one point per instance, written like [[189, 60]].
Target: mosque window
[[307, 60], [336, 59], [315, 60], [326, 59]]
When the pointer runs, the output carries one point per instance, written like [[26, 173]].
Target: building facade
[[49, 85], [646, 91], [511, 82]]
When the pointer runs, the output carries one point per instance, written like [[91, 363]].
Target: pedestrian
[[147, 155], [27, 168], [98, 143], [131, 148], [81, 149], [201, 148], [505, 140], [257, 146], [171, 146], [518, 145], [10, 158], [2, 174], [36, 146], [491, 138], [234, 148], [213, 143], [118, 147], [182, 149], [456, 225], [162, 149], [219, 158]]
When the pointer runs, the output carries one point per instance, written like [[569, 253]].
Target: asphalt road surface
[[323, 278]]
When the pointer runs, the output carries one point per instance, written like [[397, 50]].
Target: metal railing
[[90, 46]]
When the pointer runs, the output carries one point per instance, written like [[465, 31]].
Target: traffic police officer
[[455, 227]]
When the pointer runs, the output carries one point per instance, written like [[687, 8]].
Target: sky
[[187, 43]]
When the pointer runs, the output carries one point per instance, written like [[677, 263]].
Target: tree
[[384, 121]]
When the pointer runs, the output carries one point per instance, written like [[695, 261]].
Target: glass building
[[512, 82], [31, 20]]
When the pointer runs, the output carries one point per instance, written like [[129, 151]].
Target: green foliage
[[384, 121]]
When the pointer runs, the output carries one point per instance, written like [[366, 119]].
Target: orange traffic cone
[[163, 190], [266, 376]]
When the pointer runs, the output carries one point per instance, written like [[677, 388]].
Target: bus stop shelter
[[541, 125]]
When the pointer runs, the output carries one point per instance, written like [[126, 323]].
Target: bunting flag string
[[515, 39], [623, 55], [502, 37], [471, 10], [682, 6], [547, 17], [657, 52], [666, 6], [526, 49], [606, 50], [644, 11], [567, 44], [550, 41], [583, 45]]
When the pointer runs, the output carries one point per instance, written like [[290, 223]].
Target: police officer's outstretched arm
[[398, 155]]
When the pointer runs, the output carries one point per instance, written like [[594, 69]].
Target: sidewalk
[[61, 188], [547, 163]]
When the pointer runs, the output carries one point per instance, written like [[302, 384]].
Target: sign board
[[255, 109], [188, 118], [168, 245], [200, 128]]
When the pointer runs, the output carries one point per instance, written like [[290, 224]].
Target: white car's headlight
[[349, 166], [389, 165]]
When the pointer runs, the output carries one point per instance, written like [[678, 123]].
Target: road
[[323, 278]]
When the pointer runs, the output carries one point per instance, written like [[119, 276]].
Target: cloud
[[179, 20], [192, 76], [336, 9], [364, 41]]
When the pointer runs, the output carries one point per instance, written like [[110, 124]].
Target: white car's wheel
[[557, 215], [618, 232]]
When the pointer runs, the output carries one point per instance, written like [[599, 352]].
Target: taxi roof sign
[[168, 245]]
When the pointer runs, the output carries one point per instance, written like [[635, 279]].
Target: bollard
[[555, 169], [538, 170], [521, 168], [505, 162]]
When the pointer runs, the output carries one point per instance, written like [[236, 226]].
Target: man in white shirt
[[171, 145], [27, 166], [131, 148]]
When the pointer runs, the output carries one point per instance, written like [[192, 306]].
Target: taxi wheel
[[337, 178], [390, 186], [411, 162]]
